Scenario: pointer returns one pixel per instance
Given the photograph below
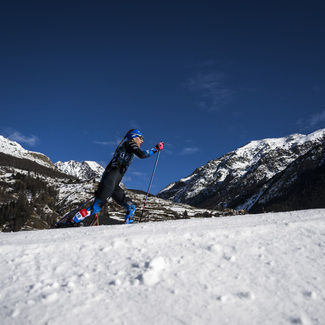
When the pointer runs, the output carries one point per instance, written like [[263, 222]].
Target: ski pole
[[152, 176]]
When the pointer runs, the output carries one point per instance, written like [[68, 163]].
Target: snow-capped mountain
[[14, 149], [84, 170], [271, 174], [34, 195], [256, 175]]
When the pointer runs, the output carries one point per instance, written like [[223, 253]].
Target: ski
[[63, 221]]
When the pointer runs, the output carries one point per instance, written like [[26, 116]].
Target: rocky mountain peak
[[82, 170], [14, 149], [239, 178]]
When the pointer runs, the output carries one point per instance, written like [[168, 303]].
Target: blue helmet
[[133, 134]]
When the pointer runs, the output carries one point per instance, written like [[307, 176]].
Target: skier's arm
[[143, 154]]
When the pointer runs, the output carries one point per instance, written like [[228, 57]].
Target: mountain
[[35, 193], [84, 170], [271, 174], [14, 149]]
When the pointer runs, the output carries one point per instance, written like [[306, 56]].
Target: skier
[[115, 170]]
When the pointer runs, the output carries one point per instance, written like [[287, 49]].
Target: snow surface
[[252, 269]]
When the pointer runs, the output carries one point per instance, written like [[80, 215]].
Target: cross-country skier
[[115, 170]]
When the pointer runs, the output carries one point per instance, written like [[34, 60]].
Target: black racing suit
[[115, 170]]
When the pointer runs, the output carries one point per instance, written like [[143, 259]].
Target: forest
[[33, 198]]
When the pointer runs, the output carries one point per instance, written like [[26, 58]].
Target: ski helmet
[[133, 134]]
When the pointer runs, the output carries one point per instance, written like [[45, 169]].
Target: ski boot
[[84, 213], [130, 210]]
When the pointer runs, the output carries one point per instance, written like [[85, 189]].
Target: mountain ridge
[[14, 149], [239, 178], [82, 170], [275, 174], [34, 195]]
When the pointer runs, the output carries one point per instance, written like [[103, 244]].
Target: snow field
[[253, 269]]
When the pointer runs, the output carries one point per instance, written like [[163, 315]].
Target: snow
[[11, 147], [256, 162], [14, 149], [83, 170], [94, 166], [252, 269], [288, 141]]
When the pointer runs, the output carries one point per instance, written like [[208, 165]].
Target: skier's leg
[[106, 187], [120, 197]]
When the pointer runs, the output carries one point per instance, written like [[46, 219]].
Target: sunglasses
[[141, 137]]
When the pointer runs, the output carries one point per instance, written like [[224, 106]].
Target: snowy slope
[[14, 149], [252, 269]]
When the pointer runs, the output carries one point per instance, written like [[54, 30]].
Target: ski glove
[[159, 146]]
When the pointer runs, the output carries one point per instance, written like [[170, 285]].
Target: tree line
[[32, 195]]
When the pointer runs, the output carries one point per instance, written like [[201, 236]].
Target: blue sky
[[206, 77]]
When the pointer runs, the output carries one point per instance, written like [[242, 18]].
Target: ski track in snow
[[253, 269]]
